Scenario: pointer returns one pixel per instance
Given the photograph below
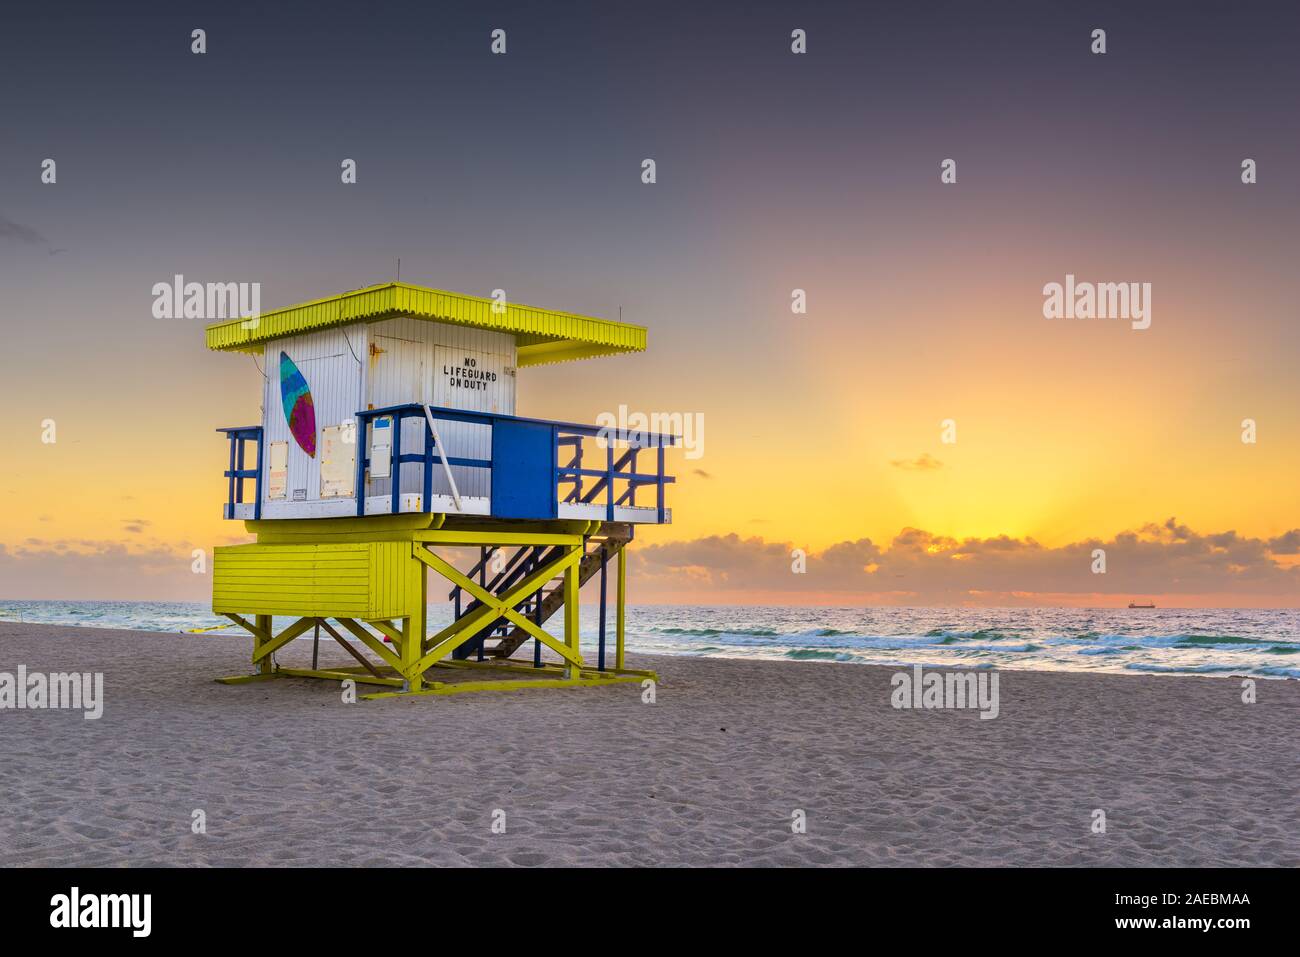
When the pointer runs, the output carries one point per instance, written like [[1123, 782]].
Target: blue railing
[[398, 414], [236, 473], [573, 473], [525, 472]]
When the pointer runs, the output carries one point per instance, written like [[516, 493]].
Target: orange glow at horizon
[[819, 428]]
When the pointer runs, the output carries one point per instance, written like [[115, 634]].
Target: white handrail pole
[[442, 456]]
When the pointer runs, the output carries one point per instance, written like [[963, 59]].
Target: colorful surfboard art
[[299, 410]]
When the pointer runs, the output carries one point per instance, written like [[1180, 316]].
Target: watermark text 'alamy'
[[1102, 300], [688, 426]]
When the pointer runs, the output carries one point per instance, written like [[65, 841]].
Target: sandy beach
[[285, 773]]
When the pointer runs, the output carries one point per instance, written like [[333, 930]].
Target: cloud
[[87, 569], [100, 570], [919, 567], [922, 567], [135, 525], [23, 234], [703, 474], [26, 235], [923, 463], [1287, 544]]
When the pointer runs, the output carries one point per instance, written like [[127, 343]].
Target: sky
[[824, 432]]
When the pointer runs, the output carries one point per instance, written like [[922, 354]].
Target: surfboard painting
[[299, 410]]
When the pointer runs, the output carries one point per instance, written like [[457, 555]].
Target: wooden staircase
[[613, 538]]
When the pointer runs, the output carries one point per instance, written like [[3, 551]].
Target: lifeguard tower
[[389, 445]]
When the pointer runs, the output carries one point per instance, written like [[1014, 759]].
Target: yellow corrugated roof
[[543, 335]]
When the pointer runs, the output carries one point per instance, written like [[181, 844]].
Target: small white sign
[[278, 470], [338, 463], [381, 448]]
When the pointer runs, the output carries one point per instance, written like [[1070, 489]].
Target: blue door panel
[[523, 469]]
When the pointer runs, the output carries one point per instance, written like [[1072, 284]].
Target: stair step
[[553, 597], [551, 591]]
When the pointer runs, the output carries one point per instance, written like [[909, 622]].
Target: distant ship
[[1149, 604]]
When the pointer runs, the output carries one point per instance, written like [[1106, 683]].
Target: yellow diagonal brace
[[544, 637], [507, 610], [371, 642], [484, 614], [490, 601], [283, 638], [259, 635], [462, 630], [386, 628], [347, 646], [454, 574], [477, 616]]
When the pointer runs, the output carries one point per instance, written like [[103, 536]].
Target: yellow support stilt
[[266, 665], [413, 628], [620, 602], [571, 611]]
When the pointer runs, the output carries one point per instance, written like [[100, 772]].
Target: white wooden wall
[[370, 366], [410, 363], [336, 380]]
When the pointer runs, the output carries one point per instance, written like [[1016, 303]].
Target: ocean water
[[1261, 643]]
